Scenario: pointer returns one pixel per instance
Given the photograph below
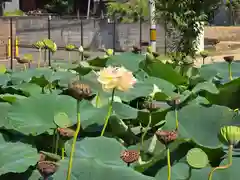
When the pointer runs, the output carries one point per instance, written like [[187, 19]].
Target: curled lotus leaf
[[39, 45], [109, 52], [50, 45], [70, 47], [28, 57]]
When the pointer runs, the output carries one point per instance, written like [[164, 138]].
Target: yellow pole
[[9, 47], [16, 47]]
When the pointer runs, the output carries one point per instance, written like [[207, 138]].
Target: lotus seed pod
[[151, 105], [47, 156], [228, 59], [129, 156], [166, 137], [70, 47], [47, 168], [66, 133], [136, 49], [174, 102], [109, 52], [21, 60], [229, 135], [204, 54], [79, 91], [80, 49]]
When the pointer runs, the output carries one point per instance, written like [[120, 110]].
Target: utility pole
[[153, 32]]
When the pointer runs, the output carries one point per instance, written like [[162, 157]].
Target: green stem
[[98, 100], [169, 163], [74, 143], [230, 150], [40, 57], [57, 141], [69, 57], [146, 129], [230, 71], [25, 67], [176, 118], [63, 152], [54, 141], [109, 113]]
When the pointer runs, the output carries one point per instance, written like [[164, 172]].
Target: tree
[[186, 16], [129, 11]]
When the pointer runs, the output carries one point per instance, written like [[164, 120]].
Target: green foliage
[[38, 117], [129, 11], [187, 17]]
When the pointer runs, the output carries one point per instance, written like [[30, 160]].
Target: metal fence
[[93, 34]]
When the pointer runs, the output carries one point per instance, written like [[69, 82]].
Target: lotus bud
[[166, 137], [66, 133], [79, 91], [129, 156], [229, 135], [47, 168], [228, 59], [109, 52], [80, 49]]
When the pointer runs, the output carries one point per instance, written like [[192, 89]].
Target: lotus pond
[[173, 121]]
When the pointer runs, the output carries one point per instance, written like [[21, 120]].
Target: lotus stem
[[74, 142], [98, 100], [57, 142], [176, 118], [108, 114], [230, 150], [169, 163], [230, 71], [69, 57], [63, 151], [54, 141], [203, 60], [146, 129], [25, 67], [40, 57]]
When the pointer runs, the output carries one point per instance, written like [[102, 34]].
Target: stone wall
[[96, 33]]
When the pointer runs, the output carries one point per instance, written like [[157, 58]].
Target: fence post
[[140, 31], [11, 44], [81, 24], [49, 37], [114, 34]]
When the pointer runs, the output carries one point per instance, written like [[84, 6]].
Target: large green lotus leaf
[[182, 171], [98, 148], [92, 169], [28, 89], [16, 157], [26, 76], [124, 111], [206, 86], [228, 95], [11, 97], [4, 79], [4, 108], [127, 59], [140, 89], [231, 173], [164, 71], [208, 71], [35, 115], [208, 121], [98, 61]]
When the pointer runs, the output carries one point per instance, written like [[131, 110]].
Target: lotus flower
[[116, 78]]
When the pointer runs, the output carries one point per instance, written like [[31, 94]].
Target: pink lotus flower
[[116, 78]]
